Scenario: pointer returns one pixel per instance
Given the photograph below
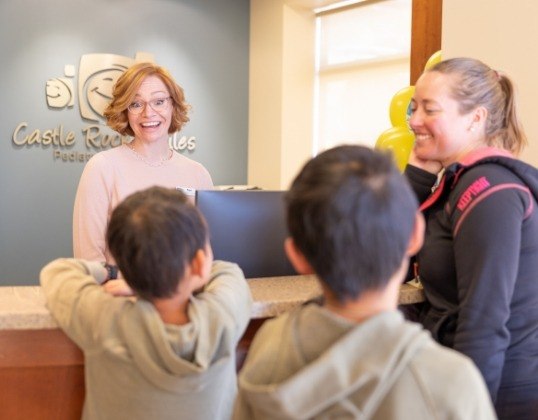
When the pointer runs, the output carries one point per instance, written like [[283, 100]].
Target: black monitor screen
[[248, 228]]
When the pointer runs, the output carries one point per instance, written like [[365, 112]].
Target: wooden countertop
[[23, 307]]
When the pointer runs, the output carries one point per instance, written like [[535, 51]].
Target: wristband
[[112, 271]]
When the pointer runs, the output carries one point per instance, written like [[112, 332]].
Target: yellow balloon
[[399, 140], [398, 106], [433, 60]]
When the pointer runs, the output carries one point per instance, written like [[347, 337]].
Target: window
[[363, 59]]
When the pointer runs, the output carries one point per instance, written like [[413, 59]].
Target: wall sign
[[97, 75]]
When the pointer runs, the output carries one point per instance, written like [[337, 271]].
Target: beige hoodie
[[313, 364], [137, 367]]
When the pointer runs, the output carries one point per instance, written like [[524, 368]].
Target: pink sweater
[[108, 178]]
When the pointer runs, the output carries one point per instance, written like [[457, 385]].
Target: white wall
[[281, 83], [502, 33]]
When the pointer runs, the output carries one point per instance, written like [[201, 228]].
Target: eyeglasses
[[158, 104]]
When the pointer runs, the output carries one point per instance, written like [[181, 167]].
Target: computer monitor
[[248, 228]]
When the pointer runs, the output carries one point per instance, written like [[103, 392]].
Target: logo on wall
[[97, 76]]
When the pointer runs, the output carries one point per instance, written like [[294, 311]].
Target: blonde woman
[[479, 263]]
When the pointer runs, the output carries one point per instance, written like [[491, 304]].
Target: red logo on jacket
[[472, 191]]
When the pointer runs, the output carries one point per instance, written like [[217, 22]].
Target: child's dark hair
[[153, 234], [351, 213]]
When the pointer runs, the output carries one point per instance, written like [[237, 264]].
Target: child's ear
[[200, 264], [296, 257], [417, 235]]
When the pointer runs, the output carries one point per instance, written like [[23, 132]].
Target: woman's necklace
[[152, 164]]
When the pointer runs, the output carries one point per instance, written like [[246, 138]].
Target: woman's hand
[[118, 288], [431, 166]]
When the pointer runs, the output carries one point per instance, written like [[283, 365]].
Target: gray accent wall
[[203, 43]]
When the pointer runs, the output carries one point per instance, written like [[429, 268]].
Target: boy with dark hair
[[170, 353], [354, 222]]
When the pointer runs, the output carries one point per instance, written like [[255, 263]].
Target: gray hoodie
[[311, 363], [137, 367]]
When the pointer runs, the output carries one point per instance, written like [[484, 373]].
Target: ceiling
[[311, 4], [316, 4]]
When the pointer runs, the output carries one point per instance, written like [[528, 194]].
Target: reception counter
[[23, 307], [42, 370]]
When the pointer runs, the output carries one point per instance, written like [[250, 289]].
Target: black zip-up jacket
[[479, 264]]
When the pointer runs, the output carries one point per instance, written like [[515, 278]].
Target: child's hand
[[118, 288]]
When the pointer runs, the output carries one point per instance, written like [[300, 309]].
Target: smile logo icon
[[59, 91], [96, 78]]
